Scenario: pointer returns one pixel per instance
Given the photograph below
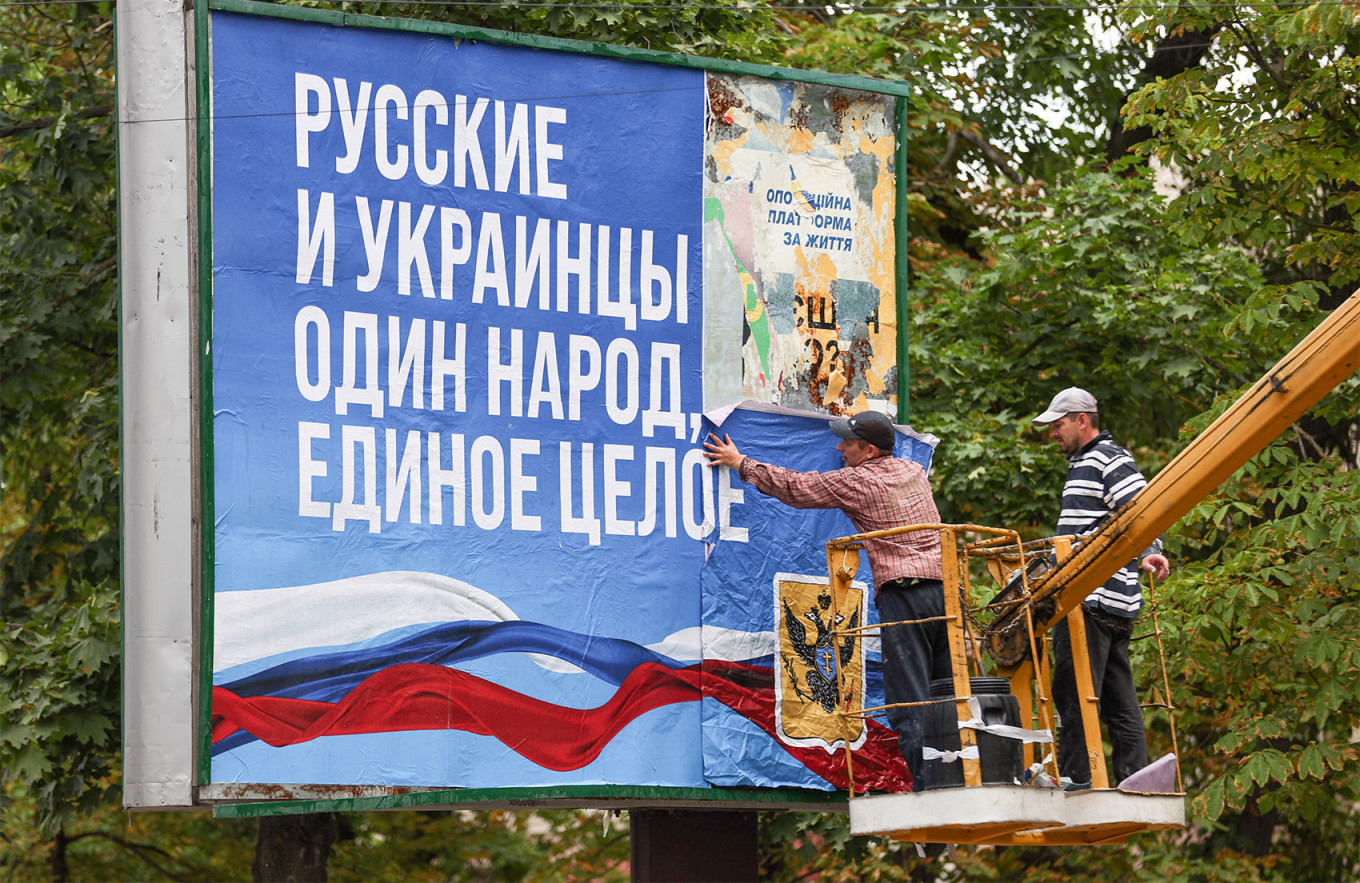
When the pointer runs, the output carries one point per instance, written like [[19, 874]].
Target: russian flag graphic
[[327, 677]]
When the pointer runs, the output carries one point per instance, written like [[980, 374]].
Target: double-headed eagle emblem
[[819, 681], [819, 656]]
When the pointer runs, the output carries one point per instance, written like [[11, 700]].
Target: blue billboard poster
[[474, 304], [771, 691], [458, 499]]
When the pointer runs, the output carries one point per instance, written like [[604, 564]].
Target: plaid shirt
[[877, 494]]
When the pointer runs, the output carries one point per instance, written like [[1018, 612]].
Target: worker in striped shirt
[[1101, 477], [877, 491]]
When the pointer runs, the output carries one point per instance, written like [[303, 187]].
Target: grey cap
[[869, 426], [1074, 399]]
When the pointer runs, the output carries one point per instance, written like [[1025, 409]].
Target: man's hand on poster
[[722, 452]]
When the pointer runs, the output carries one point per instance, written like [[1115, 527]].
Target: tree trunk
[[61, 872], [1256, 829], [293, 849]]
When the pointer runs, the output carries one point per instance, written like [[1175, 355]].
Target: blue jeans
[[1120, 711], [913, 656]]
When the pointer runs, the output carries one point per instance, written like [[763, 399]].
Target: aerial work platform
[[976, 814], [1045, 582], [1019, 815], [1034, 809]]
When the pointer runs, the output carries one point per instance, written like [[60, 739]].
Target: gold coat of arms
[[819, 682]]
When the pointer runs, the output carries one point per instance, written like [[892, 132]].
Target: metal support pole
[[958, 654], [694, 845], [1090, 718]]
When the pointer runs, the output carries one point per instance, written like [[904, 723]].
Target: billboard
[[473, 307]]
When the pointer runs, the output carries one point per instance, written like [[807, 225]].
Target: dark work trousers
[[1112, 678], [913, 655]]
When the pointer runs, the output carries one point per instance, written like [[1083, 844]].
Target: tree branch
[[139, 850], [1276, 72], [47, 122], [951, 146], [994, 155], [1306, 439], [1342, 89]]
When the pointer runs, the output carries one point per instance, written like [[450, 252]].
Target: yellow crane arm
[[1324, 359]]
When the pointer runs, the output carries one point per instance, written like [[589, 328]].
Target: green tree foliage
[[999, 75], [59, 432], [547, 846], [107, 844], [552, 846], [986, 87], [1082, 286], [736, 29], [1270, 608], [1266, 130], [1265, 133]]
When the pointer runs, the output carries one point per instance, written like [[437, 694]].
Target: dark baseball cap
[[869, 426]]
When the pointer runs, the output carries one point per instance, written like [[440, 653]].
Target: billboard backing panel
[[469, 303], [799, 217]]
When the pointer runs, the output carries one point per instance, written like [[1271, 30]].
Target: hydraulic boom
[[1324, 359]]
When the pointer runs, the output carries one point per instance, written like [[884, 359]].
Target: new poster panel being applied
[[801, 288]]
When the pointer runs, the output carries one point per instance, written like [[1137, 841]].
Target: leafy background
[[1154, 201]]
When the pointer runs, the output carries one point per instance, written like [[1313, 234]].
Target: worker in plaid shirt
[[877, 491]]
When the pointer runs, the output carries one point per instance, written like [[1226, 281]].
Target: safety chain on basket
[[1009, 644], [1166, 703]]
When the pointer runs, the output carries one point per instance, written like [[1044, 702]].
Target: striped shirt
[[1102, 477], [877, 494]]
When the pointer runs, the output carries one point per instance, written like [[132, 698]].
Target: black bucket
[[1003, 760]]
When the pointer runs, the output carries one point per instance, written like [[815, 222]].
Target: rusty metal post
[[694, 845], [1086, 691], [958, 653]]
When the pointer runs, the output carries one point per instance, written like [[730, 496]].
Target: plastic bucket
[[1003, 759]]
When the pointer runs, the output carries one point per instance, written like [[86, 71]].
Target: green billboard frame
[[366, 797]]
